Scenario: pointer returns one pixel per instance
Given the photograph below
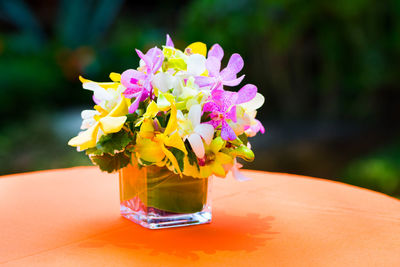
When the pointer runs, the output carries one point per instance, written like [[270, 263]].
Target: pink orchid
[[138, 82], [222, 108], [169, 42], [217, 78]]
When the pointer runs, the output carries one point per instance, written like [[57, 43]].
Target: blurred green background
[[329, 71]]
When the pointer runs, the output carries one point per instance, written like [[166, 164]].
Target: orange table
[[71, 217]]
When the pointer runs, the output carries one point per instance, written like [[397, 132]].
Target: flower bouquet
[[168, 126]]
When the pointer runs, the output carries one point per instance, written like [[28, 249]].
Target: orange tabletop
[[71, 217]]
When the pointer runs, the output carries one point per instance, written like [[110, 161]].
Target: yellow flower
[[197, 48], [110, 116], [151, 145], [213, 161]]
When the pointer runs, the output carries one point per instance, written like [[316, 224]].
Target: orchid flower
[[194, 131], [223, 108], [250, 108], [169, 42], [101, 121], [217, 78], [212, 163], [151, 144], [138, 82], [234, 168]]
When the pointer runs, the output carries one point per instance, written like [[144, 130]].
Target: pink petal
[[144, 57], [233, 82], [213, 65], [227, 74], [227, 132], [262, 129], [156, 58], [95, 100], [246, 93], [235, 63], [210, 107], [203, 81], [214, 123], [232, 114], [238, 175], [132, 91], [169, 41], [134, 106], [225, 99], [131, 76], [216, 51]]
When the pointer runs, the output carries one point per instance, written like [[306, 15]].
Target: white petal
[[163, 81], [255, 103], [99, 92], [179, 115], [89, 113], [195, 115], [206, 131], [197, 145], [196, 64], [87, 123]]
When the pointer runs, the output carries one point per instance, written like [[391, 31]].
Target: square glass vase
[[156, 198]]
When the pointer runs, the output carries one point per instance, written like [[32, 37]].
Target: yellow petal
[[147, 129], [86, 139], [190, 170], [83, 80], [115, 77], [121, 108], [218, 169], [162, 102], [112, 124], [205, 171], [105, 85], [151, 110], [222, 158], [175, 141], [149, 150], [197, 48], [172, 122]]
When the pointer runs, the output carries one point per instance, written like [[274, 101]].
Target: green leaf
[[93, 151], [113, 143], [145, 162], [111, 163], [192, 156], [179, 155]]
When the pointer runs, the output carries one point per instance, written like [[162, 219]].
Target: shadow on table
[[226, 233]]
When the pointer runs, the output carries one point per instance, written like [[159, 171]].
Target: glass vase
[[155, 197]]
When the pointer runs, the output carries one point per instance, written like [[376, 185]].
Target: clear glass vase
[[157, 198]]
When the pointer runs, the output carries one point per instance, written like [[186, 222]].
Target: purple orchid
[[217, 78], [222, 107], [138, 82]]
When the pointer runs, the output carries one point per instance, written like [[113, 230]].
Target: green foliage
[[179, 155], [191, 155], [111, 152], [379, 171], [111, 163], [112, 143]]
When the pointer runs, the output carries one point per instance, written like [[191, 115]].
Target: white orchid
[[194, 131]]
